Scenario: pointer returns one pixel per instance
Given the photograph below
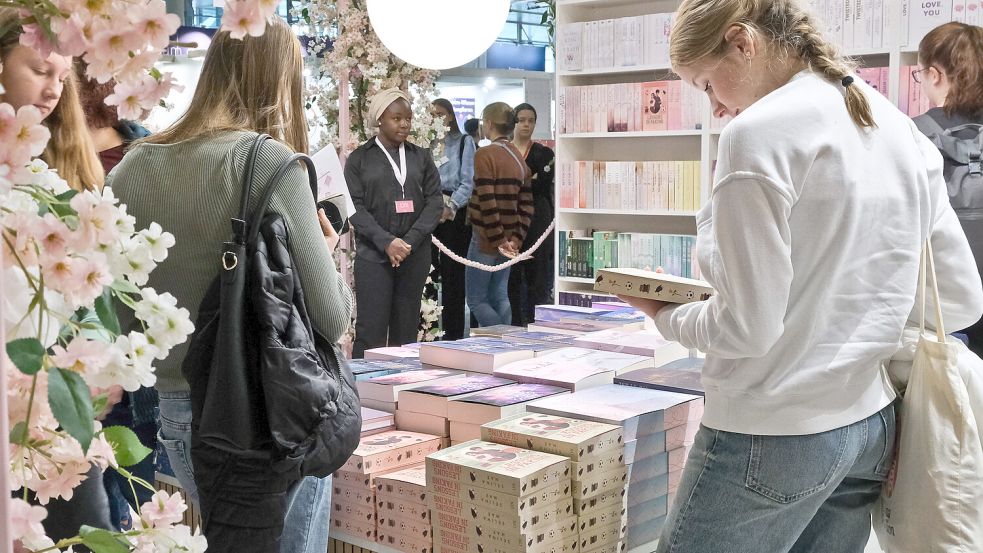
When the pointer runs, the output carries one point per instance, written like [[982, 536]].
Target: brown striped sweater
[[501, 205]]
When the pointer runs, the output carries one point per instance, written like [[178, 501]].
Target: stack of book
[[598, 470], [479, 354], [402, 510], [376, 422], [535, 337], [397, 353], [381, 392], [353, 498], [495, 331], [364, 369], [493, 498], [424, 408], [574, 368], [659, 428], [682, 376], [647, 342], [466, 414], [549, 312]]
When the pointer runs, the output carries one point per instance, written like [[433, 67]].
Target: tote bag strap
[[927, 265]]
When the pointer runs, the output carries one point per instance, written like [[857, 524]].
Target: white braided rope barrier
[[495, 268]]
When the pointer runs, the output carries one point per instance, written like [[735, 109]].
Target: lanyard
[[400, 170]]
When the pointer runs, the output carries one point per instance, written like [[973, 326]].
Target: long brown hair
[[784, 25], [70, 150], [253, 84], [957, 50], [449, 108]]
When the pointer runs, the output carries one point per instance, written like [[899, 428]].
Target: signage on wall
[[503, 55], [463, 110]]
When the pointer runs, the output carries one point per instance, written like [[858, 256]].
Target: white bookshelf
[[675, 145]]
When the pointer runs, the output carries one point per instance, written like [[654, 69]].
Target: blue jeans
[[487, 293], [306, 524], [744, 493]]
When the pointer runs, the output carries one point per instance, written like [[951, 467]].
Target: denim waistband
[[174, 395]]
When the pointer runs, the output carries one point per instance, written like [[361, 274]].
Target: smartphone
[[334, 208]]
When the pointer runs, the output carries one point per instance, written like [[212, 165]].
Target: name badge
[[404, 206]]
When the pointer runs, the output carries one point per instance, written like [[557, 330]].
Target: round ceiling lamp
[[438, 34]]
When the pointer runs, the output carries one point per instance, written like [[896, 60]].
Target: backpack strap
[[281, 170], [928, 125], [460, 149], [239, 223]]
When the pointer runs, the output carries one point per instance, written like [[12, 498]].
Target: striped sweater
[[501, 205]]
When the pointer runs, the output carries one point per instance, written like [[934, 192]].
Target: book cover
[[599, 482], [390, 450], [651, 411], [603, 501], [449, 511], [415, 529], [391, 353], [480, 354], [393, 506], [354, 528], [403, 542], [652, 285], [573, 328], [415, 421], [605, 360], [497, 467], [660, 442], [348, 495], [373, 419], [577, 439], [647, 343], [539, 499], [556, 372], [352, 479], [612, 513], [611, 460], [432, 399], [489, 405], [654, 106], [386, 388], [407, 482], [550, 338], [550, 312], [357, 512], [662, 378], [495, 331]]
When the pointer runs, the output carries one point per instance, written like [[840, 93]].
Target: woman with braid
[[823, 196]]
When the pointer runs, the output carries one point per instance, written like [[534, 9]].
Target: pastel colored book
[[657, 465], [660, 442], [615, 547], [607, 360], [557, 312], [354, 528], [645, 342], [538, 499], [473, 354], [497, 467], [597, 503], [639, 411], [363, 366], [573, 328], [392, 353], [448, 512], [644, 535], [644, 512], [495, 331], [651, 285], [571, 375], [354, 479], [403, 543], [450, 542], [610, 514], [606, 322], [607, 461], [496, 403], [609, 535], [663, 378], [393, 506], [490, 536], [463, 432], [386, 388], [418, 530], [356, 512], [422, 422], [373, 419], [433, 399], [647, 490], [599, 482], [576, 439], [550, 338], [391, 450]]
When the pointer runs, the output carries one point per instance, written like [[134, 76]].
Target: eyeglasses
[[915, 72]]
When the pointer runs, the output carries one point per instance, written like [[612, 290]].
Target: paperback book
[[386, 388], [493, 404], [433, 399], [391, 450], [652, 285], [537, 500], [647, 342], [578, 440], [563, 373], [497, 467], [664, 378], [480, 354]]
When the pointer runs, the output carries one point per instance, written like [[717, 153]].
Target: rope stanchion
[[495, 268]]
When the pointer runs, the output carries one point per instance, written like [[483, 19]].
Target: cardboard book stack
[[658, 427], [402, 510], [466, 414], [493, 498], [353, 492], [598, 471], [424, 408]]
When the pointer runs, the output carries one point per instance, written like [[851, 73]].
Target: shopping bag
[[932, 500]]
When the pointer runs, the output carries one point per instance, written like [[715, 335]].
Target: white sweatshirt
[[812, 239]]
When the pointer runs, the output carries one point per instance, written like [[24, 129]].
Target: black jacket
[[374, 190]]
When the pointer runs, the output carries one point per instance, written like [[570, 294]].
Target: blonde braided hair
[[785, 27]]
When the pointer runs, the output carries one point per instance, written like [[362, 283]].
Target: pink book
[[390, 450], [884, 77], [905, 84], [654, 106], [674, 94]]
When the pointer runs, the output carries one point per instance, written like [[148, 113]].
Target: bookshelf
[[894, 47]]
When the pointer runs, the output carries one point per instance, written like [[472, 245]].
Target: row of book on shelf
[[582, 253], [911, 101], [651, 106], [629, 185], [859, 25], [558, 437], [641, 40]]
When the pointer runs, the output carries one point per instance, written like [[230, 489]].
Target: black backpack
[[264, 384]]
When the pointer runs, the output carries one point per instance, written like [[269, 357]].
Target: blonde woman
[[49, 85], [823, 197], [187, 178]]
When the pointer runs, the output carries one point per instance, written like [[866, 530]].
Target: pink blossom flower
[[26, 524], [81, 355], [73, 34], [29, 136], [100, 452], [8, 123], [162, 510], [243, 17], [59, 273], [19, 233], [164, 87], [97, 221], [33, 37], [102, 68], [117, 43], [52, 235], [132, 98], [137, 66], [91, 276], [155, 24], [60, 482]]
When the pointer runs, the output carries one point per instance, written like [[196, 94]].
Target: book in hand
[[572, 375], [577, 439], [432, 398], [386, 388], [480, 354], [664, 378], [390, 450], [651, 285], [493, 404], [639, 411]]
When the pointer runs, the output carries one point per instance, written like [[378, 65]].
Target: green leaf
[[107, 312], [69, 398], [17, 432], [127, 447], [103, 541], [124, 286], [27, 355], [61, 207]]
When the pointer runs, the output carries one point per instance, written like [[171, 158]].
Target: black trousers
[[456, 235], [388, 301], [531, 282]]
